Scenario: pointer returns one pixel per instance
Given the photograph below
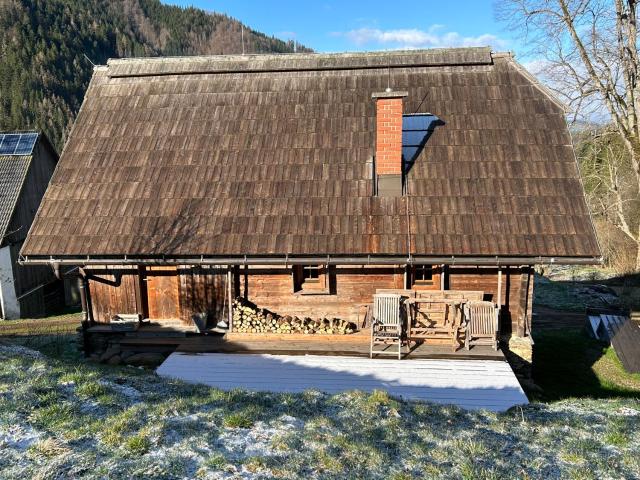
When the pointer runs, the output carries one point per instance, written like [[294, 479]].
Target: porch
[[169, 337]]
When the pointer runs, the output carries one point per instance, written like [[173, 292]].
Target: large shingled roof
[[271, 155]]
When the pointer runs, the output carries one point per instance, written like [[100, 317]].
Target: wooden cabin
[[305, 183], [27, 161]]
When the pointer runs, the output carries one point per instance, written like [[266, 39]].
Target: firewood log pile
[[247, 318]]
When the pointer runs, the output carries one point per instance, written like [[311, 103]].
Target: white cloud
[[536, 66], [433, 37]]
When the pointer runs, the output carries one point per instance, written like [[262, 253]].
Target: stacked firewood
[[248, 318]]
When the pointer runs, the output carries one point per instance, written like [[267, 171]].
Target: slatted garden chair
[[387, 325], [482, 324]]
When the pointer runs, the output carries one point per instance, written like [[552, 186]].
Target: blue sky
[[338, 26]]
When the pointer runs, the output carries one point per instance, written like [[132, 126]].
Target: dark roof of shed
[[271, 154], [13, 172]]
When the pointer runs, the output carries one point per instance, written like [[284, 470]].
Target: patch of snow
[[628, 412], [125, 390], [256, 441], [20, 351], [19, 437]]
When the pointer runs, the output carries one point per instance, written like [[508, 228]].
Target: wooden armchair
[[387, 326], [481, 324]]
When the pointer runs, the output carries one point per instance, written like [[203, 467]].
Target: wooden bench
[[434, 319]]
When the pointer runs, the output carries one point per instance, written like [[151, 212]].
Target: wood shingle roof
[[272, 154]]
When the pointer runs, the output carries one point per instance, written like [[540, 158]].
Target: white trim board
[[9, 305], [471, 384]]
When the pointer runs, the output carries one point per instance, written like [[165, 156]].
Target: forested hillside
[[43, 43]]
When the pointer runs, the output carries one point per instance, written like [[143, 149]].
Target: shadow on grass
[[563, 366]]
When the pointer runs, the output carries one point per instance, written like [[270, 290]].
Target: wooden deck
[[356, 345], [471, 384]]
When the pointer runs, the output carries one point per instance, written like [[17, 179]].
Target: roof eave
[[487, 260]]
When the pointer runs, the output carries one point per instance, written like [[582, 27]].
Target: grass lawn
[[567, 363], [63, 417], [54, 325]]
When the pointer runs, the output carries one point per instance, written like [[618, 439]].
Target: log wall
[[353, 287], [350, 289], [177, 293]]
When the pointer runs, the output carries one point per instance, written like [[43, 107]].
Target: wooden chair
[[387, 324], [481, 324]]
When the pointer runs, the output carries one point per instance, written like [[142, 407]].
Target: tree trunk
[[638, 251]]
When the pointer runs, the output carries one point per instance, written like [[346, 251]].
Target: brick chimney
[[389, 142]]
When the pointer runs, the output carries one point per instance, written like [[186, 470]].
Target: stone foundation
[[106, 348]]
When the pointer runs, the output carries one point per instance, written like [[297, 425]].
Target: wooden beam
[[523, 303], [230, 299], [141, 293]]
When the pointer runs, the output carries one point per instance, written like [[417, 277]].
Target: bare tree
[[588, 51], [609, 181]]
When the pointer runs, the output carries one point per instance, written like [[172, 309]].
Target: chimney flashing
[[392, 94]]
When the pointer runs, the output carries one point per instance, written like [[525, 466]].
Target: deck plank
[[472, 384]]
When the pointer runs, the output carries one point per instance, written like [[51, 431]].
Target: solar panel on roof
[[17, 143], [9, 143], [26, 143]]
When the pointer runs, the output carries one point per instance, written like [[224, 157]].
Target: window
[[310, 279], [423, 274], [425, 277], [311, 273]]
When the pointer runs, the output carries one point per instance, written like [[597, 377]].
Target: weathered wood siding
[[203, 289], [34, 301], [516, 295], [159, 293], [163, 293], [353, 287], [176, 293], [350, 288], [112, 290]]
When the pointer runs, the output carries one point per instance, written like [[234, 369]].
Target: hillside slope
[[43, 43]]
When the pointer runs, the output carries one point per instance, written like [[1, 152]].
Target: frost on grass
[[61, 419]]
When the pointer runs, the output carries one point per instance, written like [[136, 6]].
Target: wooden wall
[[350, 288], [160, 293], [516, 295], [203, 289], [113, 290], [35, 302], [175, 293]]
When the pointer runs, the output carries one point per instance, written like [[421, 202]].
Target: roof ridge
[[152, 66]]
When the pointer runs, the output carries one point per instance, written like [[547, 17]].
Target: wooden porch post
[[141, 293], [499, 291], [525, 302], [230, 299]]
